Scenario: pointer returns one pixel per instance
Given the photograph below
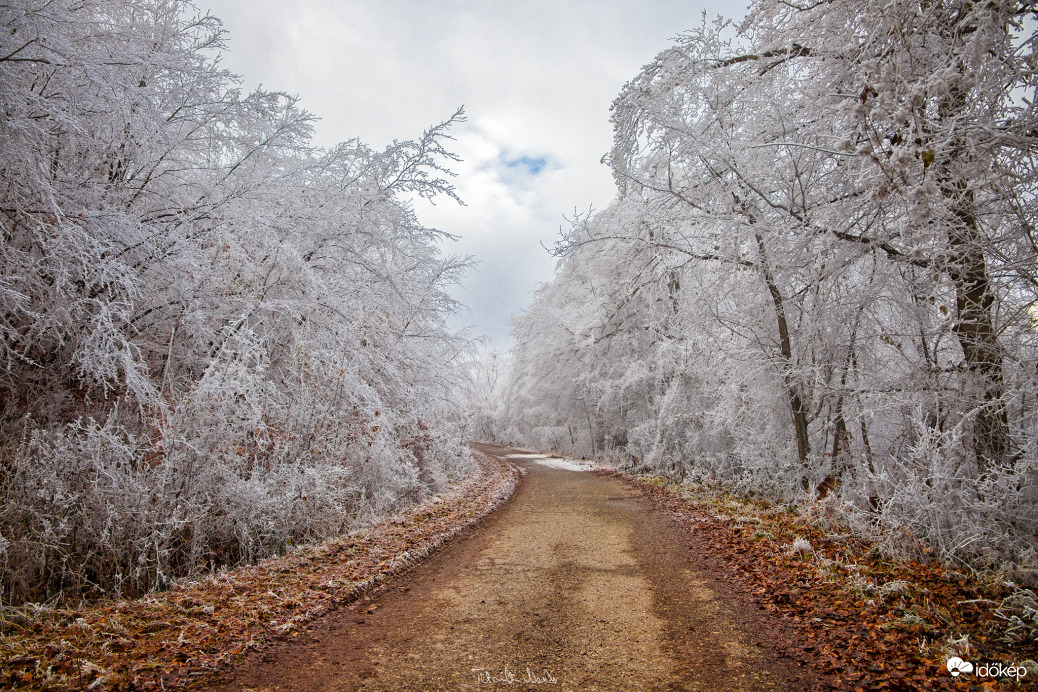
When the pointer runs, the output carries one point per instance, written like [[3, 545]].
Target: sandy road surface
[[575, 584]]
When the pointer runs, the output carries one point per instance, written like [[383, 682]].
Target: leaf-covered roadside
[[863, 620], [168, 639]]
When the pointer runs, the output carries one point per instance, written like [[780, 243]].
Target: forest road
[[577, 583]]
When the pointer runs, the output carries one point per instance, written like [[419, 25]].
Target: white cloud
[[536, 78]]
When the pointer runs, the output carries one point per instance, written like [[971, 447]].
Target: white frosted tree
[[821, 267], [218, 338]]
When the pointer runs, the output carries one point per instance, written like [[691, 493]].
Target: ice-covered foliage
[[217, 339], [819, 276], [484, 396]]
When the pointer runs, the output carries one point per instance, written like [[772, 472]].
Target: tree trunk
[[967, 268], [975, 329], [796, 403]]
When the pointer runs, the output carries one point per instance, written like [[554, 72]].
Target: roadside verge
[[168, 639], [863, 620]]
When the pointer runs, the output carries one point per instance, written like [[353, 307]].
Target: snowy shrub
[[801, 545]]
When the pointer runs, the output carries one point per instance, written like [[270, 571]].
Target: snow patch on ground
[[565, 464], [554, 462]]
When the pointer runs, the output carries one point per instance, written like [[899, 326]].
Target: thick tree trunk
[[975, 329], [974, 301]]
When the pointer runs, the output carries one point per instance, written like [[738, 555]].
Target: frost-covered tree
[[484, 395], [822, 267], [217, 338], [937, 112]]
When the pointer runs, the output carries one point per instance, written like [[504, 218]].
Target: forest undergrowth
[[172, 639], [867, 620]]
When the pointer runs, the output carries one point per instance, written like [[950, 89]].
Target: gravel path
[[575, 584]]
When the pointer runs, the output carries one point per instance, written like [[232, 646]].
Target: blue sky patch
[[533, 165]]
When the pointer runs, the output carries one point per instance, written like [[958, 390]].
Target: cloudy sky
[[536, 78]]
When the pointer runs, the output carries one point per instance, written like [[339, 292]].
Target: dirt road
[[575, 584]]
